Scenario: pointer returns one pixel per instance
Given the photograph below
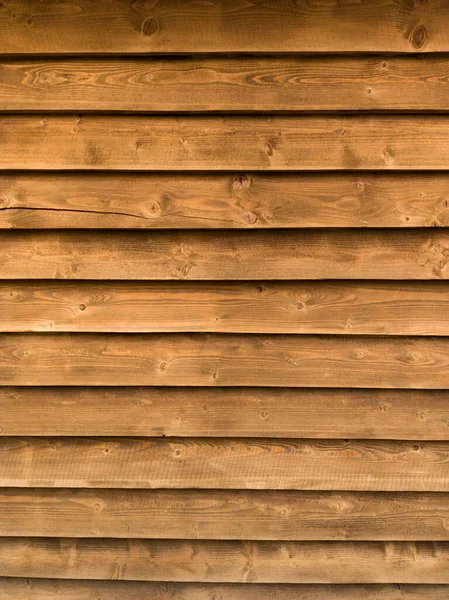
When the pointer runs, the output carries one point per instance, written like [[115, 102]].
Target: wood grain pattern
[[223, 360], [206, 463], [46, 589], [248, 84], [167, 26], [224, 312], [30, 200], [378, 308], [208, 143], [220, 412], [218, 514], [225, 255], [226, 561]]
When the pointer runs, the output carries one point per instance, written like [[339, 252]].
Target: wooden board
[[209, 143], [242, 515], [224, 330], [46, 589], [404, 308], [225, 255], [219, 412], [225, 464], [248, 84], [224, 360], [226, 561], [167, 26], [222, 201]]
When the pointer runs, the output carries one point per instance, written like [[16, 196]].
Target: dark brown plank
[[234, 515], [208, 143], [308, 83], [226, 561], [399, 308], [207, 463], [220, 412], [224, 360], [221, 201], [225, 255], [47, 589], [118, 27]]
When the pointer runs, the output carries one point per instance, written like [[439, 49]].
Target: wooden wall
[[224, 325]]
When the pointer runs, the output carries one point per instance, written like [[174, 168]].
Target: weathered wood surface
[[224, 360], [224, 412], [226, 561], [218, 514], [165, 26], [225, 255], [220, 412], [47, 589], [377, 308], [248, 84], [221, 201], [208, 143], [351, 465]]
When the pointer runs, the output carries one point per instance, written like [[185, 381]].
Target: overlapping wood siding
[[224, 300]]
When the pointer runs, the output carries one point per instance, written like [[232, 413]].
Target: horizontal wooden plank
[[205, 143], [226, 255], [55, 589], [118, 27], [377, 308], [30, 200], [182, 463], [242, 515], [308, 83], [226, 561], [220, 412], [223, 360]]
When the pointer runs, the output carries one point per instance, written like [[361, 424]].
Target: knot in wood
[[150, 26], [240, 183], [419, 36], [249, 218]]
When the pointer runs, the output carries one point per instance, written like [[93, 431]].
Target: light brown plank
[[82, 26], [226, 561], [308, 83], [222, 201], [47, 589], [255, 412], [208, 143], [223, 360], [399, 308], [225, 255], [234, 515], [206, 463]]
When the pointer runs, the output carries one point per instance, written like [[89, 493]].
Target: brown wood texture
[[204, 463], [226, 561], [46, 589], [249, 84], [208, 143], [172, 26], [341, 307], [220, 412], [30, 200], [223, 360], [218, 514], [224, 312], [225, 255]]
